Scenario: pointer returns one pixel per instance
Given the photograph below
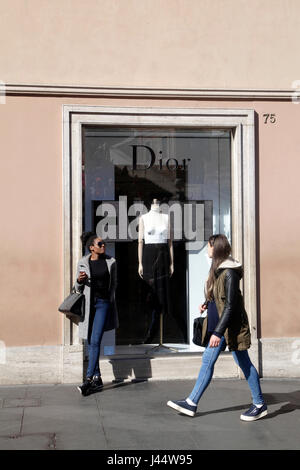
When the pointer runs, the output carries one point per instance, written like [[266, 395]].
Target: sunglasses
[[101, 244]]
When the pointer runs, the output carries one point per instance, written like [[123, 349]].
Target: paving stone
[[42, 441], [20, 402], [11, 420], [134, 416]]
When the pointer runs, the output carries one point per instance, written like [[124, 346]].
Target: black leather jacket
[[232, 291]]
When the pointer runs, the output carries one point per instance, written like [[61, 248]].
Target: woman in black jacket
[[226, 324]]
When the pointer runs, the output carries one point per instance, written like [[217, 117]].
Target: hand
[[140, 270], [82, 277], [202, 308], [171, 269], [214, 341]]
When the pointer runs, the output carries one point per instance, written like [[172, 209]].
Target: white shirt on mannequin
[[156, 226]]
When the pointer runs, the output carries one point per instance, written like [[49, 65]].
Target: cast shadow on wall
[[133, 369]]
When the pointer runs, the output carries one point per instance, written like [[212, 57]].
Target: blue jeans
[[101, 307], [242, 359]]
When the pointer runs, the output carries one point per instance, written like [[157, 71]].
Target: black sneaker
[[85, 388], [254, 413], [183, 407], [97, 384]]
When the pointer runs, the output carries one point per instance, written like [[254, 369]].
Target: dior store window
[[155, 195]]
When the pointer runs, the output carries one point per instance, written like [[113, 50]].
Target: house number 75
[[269, 118]]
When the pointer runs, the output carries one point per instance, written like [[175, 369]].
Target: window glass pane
[[188, 171]]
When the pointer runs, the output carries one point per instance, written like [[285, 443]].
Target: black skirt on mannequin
[[156, 272]]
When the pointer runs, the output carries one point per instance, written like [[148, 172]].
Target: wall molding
[[64, 364], [146, 92], [280, 358]]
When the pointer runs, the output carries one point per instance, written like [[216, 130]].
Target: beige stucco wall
[[279, 220], [31, 225], [151, 43], [31, 209]]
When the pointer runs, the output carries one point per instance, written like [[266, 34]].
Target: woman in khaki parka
[[226, 324]]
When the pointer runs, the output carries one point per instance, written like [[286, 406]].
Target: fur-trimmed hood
[[231, 263]]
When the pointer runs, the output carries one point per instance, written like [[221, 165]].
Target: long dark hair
[[222, 250], [87, 239]]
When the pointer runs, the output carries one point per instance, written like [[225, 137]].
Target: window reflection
[[175, 166]]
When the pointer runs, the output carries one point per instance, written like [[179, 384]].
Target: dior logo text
[[149, 155]]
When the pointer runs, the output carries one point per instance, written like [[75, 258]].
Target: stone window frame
[[240, 121]]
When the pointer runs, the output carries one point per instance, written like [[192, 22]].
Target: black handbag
[[74, 306], [197, 337]]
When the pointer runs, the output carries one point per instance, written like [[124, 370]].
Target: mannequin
[[154, 228], [156, 262]]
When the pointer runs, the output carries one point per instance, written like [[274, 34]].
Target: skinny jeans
[[101, 312], [241, 358]]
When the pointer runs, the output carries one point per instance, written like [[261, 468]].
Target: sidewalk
[[134, 416]]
